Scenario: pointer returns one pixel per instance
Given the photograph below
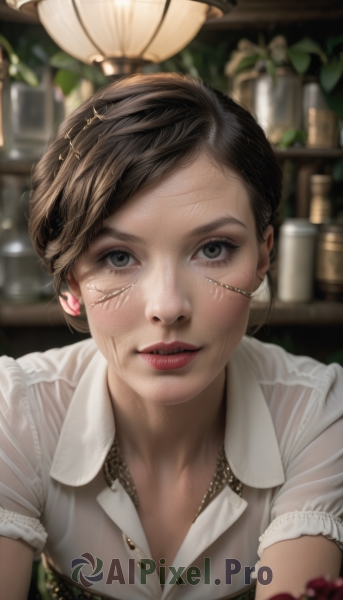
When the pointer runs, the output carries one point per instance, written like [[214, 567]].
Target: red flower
[[317, 589]]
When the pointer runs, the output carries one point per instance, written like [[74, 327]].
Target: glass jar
[[329, 263], [320, 207], [296, 260], [319, 121], [277, 106], [22, 271]]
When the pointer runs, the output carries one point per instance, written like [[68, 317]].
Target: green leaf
[[248, 62], [18, 69], [332, 42], [337, 171], [67, 81], [291, 136], [13, 70], [94, 75], [300, 60], [288, 138], [62, 60], [187, 58], [334, 100], [40, 53], [271, 70], [331, 73], [5, 43], [309, 46], [26, 74]]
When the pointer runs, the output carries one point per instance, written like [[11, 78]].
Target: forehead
[[192, 193]]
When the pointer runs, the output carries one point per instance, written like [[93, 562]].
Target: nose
[[167, 296]]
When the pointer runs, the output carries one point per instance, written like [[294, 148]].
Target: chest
[[95, 519], [168, 508], [168, 503]]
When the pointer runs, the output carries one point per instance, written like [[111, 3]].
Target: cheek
[[109, 299], [224, 310], [111, 311]]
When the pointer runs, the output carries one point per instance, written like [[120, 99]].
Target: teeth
[[168, 351]]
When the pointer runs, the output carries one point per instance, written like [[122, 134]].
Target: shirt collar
[[88, 430]]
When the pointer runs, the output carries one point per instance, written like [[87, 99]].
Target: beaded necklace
[[115, 467]]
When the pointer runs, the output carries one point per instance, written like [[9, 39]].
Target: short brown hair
[[144, 126]]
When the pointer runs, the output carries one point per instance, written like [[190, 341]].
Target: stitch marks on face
[[110, 294], [107, 295], [231, 288]]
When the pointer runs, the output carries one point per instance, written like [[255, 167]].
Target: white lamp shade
[[99, 29]]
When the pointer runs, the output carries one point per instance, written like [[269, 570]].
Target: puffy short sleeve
[[310, 502], [21, 493]]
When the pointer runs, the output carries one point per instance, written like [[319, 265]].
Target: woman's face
[[164, 277]]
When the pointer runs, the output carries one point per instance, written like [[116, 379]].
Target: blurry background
[[284, 62]]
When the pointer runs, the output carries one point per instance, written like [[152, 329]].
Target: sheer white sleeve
[[310, 502], [21, 493]]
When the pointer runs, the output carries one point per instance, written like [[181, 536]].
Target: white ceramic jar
[[296, 260]]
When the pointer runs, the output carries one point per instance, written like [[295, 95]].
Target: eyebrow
[[201, 230]]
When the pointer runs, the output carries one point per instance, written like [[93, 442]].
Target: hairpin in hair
[[91, 119], [76, 152]]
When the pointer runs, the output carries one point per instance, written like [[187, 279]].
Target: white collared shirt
[[283, 441]]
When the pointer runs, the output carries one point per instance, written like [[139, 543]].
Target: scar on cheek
[[108, 295], [231, 288]]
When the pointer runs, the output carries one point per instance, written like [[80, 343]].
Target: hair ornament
[[76, 152], [91, 119]]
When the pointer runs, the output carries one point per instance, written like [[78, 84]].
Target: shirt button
[[130, 544]]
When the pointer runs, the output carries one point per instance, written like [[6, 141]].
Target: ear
[[264, 255], [72, 305], [74, 285]]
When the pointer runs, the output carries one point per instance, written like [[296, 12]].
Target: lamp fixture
[[122, 35]]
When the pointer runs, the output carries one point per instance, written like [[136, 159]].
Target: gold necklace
[[115, 467]]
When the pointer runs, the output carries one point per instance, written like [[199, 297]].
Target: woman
[[139, 475]]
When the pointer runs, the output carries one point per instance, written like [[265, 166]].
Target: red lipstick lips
[[171, 346], [166, 362]]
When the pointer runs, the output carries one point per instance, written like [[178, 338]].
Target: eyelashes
[[224, 242]]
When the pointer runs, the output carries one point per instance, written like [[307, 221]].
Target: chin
[[167, 390]]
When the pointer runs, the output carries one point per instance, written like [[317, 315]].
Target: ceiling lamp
[[122, 35]]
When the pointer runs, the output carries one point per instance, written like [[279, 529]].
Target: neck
[[178, 434]]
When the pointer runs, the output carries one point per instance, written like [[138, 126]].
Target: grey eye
[[214, 250], [119, 258]]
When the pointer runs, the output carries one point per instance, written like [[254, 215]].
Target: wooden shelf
[[247, 13], [49, 314], [42, 314], [303, 153], [257, 13], [14, 166], [313, 313]]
